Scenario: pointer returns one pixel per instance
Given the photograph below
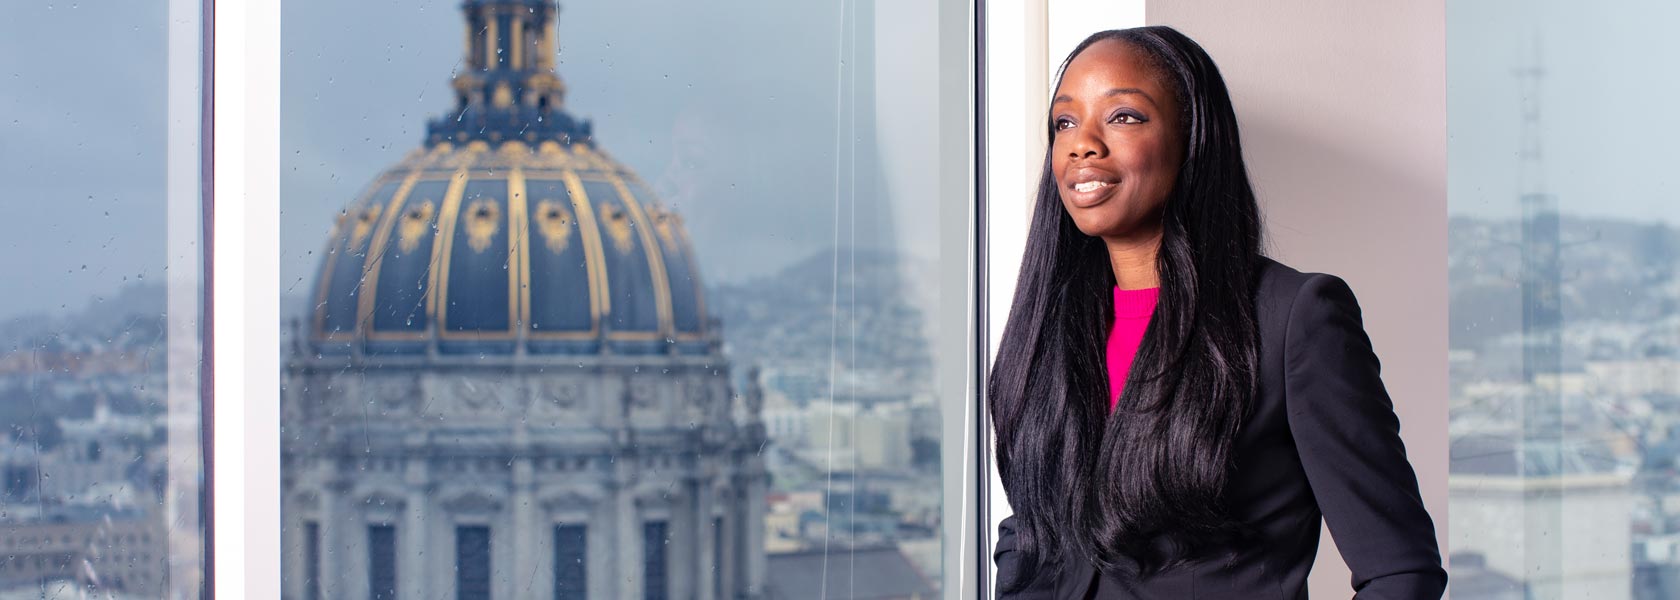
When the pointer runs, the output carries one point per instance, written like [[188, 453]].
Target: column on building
[[292, 552], [517, 42], [504, 544], [753, 533], [525, 527], [701, 490], [627, 532], [684, 530], [440, 557], [727, 561], [739, 545], [353, 554], [334, 542], [412, 572], [600, 559]]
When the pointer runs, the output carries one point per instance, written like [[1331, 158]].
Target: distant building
[[106, 461], [1636, 377], [785, 422], [108, 458], [1499, 491], [509, 386], [1656, 560], [1473, 580], [883, 437], [873, 573], [122, 554], [863, 438]]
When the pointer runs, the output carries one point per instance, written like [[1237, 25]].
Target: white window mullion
[[1072, 20], [245, 297], [184, 294], [1016, 78]]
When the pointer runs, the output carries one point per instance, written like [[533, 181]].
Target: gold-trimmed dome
[[472, 250]]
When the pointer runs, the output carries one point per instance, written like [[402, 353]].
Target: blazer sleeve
[[1348, 438], [1008, 562]]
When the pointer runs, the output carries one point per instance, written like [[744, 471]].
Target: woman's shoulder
[[1280, 286], [1277, 281]]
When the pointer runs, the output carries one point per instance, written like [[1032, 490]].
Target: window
[[382, 562], [1564, 370], [312, 560], [571, 564], [472, 562], [717, 560], [541, 261], [654, 555], [101, 323]]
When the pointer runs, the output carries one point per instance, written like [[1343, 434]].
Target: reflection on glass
[[100, 461], [1565, 384], [505, 375]]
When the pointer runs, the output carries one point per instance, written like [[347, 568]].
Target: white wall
[[1343, 113]]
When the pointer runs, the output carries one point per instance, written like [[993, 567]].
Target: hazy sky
[[743, 90], [81, 150], [727, 109], [1607, 105]]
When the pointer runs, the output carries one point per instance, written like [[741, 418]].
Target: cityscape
[[1587, 497], [508, 374], [509, 378], [82, 458]]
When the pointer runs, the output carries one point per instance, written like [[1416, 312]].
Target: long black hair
[[1142, 487]]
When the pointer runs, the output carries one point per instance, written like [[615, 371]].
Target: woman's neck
[[1133, 260]]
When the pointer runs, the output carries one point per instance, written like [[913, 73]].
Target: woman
[[1174, 411]]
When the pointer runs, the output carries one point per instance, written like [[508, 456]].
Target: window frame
[[240, 161]]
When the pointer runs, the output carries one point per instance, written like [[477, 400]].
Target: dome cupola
[[509, 231]]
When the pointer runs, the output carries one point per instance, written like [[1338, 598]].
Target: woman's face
[[1115, 150]]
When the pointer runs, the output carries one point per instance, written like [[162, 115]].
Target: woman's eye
[[1063, 123], [1126, 118]]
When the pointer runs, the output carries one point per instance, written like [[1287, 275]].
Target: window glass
[[100, 457], [382, 561], [571, 546], [655, 538], [1564, 372], [472, 562], [668, 273], [311, 583]]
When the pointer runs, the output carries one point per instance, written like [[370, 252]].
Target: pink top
[[1132, 309]]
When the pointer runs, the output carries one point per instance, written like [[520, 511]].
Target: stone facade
[[613, 444]]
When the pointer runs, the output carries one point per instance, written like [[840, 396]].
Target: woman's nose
[[1087, 145]]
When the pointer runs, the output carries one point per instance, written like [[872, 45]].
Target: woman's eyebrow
[[1109, 94]]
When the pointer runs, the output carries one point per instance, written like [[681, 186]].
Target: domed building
[[508, 385]]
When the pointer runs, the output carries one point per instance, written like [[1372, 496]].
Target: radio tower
[[1540, 449], [1541, 277]]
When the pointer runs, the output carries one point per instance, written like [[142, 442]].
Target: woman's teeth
[[1088, 186]]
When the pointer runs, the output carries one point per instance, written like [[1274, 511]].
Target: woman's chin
[[1098, 227]]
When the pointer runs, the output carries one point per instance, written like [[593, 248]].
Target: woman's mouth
[[1091, 192]]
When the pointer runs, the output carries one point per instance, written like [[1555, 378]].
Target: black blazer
[[1322, 440]]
